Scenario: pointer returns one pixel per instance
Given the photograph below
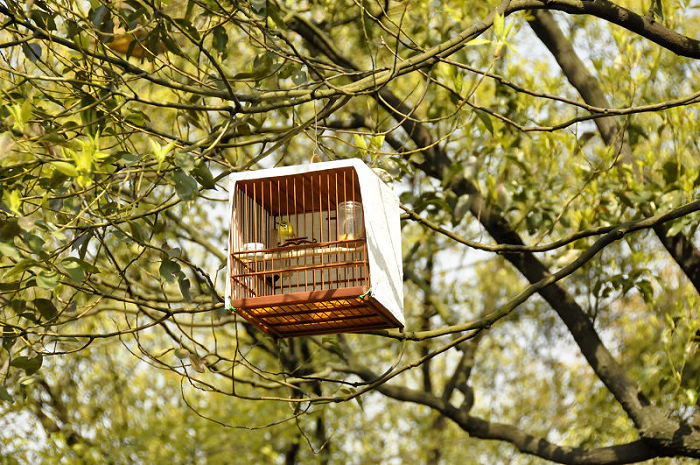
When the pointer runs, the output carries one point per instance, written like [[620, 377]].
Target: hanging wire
[[314, 153]]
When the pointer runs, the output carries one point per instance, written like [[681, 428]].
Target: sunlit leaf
[[498, 21], [486, 119], [203, 176], [29, 365], [169, 270], [47, 279], [185, 185]]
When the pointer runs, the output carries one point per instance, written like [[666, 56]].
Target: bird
[[272, 280], [122, 43], [285, 231]]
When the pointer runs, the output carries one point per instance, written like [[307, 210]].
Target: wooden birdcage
[[315, 249]]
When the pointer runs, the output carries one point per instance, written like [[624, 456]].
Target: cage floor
[[319, 312]]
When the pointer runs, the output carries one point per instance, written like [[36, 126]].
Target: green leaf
[[8, 250], [85, 266], [377, 141], [13, 200], [188, 27], [675, 228], [46, 308], [498, 22], [169, 270], [203, 176], [184, 284], [138, 232], [66, 168], [258, 6], [476, 42], [486, 119], [9, 228], [99, 16], [28, 380], [21, 267], [175, 252], [7, 339], [28, 223], [74, 269], [185, 186], [220, 39], [417, 158], [89, 115], [5, 395], [72, 28], [181, 353], [160, 152], [275, 14], [137, 117], [32, 52], [670, 170], [299, 77], [43, 19], [47, 279], [29, 365], [287, 71], [692, 396], [34, 242], [458, 82], [646, 289], [359, 402], [360, 142]]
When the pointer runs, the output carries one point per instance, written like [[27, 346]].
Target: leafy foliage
[[549, 241]]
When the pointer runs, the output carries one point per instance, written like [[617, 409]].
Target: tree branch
[[604, 9], [546, 28], [632, 452]]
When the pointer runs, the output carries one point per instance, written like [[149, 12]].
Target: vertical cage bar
[[328, 205], [259, 256], [337, 235], [236, 241], [288, 262], [278, 218], [263, 239], [272, 239], [296, 229], [241, 232], [280, 262], [244, 239], [354, 252], [320, 225], [304, 210], [286, 197], [345, 231]]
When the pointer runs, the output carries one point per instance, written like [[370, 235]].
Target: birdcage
[[315, 249]]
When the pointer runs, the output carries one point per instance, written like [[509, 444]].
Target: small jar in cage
[[350, 220]]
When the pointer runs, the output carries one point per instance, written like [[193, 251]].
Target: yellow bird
[[120, 43], [285, 231]]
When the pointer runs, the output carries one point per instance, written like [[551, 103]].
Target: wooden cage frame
[[321, 280]]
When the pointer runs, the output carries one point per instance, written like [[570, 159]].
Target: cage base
[[318, 312]]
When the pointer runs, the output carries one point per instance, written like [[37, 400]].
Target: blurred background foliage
[[121, 120]]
